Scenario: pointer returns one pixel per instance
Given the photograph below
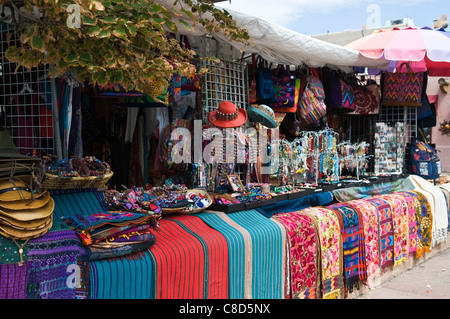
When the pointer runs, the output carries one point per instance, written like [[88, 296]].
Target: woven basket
[[61, 182]]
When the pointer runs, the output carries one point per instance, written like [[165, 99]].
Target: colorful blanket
[[190, 260], [412, 204], [371, 232], [13, 284], [352, 231], [400, 225], [386, 232], [78, 202], [425, 224], [257, 253], [328, 228], [304, 254]]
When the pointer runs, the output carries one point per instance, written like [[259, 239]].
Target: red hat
[[228, 115]]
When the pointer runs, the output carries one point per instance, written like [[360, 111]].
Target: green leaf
[[89, 21], [104, 34], [93, 31], [72, 56], [186, 25], [37, 43]]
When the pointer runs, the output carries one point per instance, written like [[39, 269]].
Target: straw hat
[[23, 234], [228, 116], [26, 204], [18, 188], [29, 214]]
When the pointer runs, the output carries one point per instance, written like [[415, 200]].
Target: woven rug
[[371, 232], [386, 231], [257, 253], [400, 226], [304, 254], [327, 224], [190, 260], [425, 224], [13, 283], [353, 246]]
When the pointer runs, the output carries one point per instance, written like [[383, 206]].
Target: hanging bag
[[312, 104], [403, 88], [265, 91], [424, 159], [367, 98], [339, 95], [284, 88]]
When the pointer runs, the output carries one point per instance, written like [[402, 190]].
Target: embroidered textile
[[352, 232], [386, 232], [412, 203], [425, 224], [399, 211], [328, 227], [303, 252], [49, 258], [9, 252], [370, 221]]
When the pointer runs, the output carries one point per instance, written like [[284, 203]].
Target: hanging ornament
[[445, 128]]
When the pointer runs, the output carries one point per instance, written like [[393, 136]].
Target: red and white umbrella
[[429, 48]]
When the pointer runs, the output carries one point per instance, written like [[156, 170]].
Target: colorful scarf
[[400, 225], [329, 231], [371, 232], [304, 254], [425, 224], [386, 232], [412, 204], [352, 232]]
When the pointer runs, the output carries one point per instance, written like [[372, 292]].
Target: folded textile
[[412, 204], [286, 206], [96, 253], [96, 227], [303, 254]]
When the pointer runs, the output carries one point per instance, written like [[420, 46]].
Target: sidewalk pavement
[[427, 280]]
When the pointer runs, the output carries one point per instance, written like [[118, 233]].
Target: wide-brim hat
[[29, 214], [262, 114], [228, 115], [26, 204], [19, 188], [36, 224], [23, 234], [8, 149]]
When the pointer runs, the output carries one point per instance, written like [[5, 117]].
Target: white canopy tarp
[[280, 45]]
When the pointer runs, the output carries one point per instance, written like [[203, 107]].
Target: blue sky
[[312, 17]]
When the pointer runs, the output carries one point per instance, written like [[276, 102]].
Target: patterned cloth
[[400, 225], [303, 253], [386, 232], [49, 259], [352, 232], [329, 231], [425, 224], [13, 283], [370, 221], [412, 204], [257, 251]]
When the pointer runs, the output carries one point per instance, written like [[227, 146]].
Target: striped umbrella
[[428, 48]]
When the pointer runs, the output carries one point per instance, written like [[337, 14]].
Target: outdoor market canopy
[[429, 49], [279, 45]]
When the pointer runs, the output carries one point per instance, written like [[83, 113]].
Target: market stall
[[221, 188]]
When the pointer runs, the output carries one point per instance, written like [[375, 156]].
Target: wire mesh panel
[[403, 114], [226, 81], [26, 102]]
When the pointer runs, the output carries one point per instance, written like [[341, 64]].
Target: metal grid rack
[[403, 114], [25, 103], [226, 81]]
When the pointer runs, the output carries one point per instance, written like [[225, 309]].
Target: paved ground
[[427, 280]]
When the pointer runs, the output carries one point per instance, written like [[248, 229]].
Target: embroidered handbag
[[338, 94], [265, 90], [312, 104], [403, 88], [300, 84], [284, 87], [424, 160], [367, 99]]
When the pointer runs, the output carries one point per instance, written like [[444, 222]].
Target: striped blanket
[[256, 251], [188, 261]]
